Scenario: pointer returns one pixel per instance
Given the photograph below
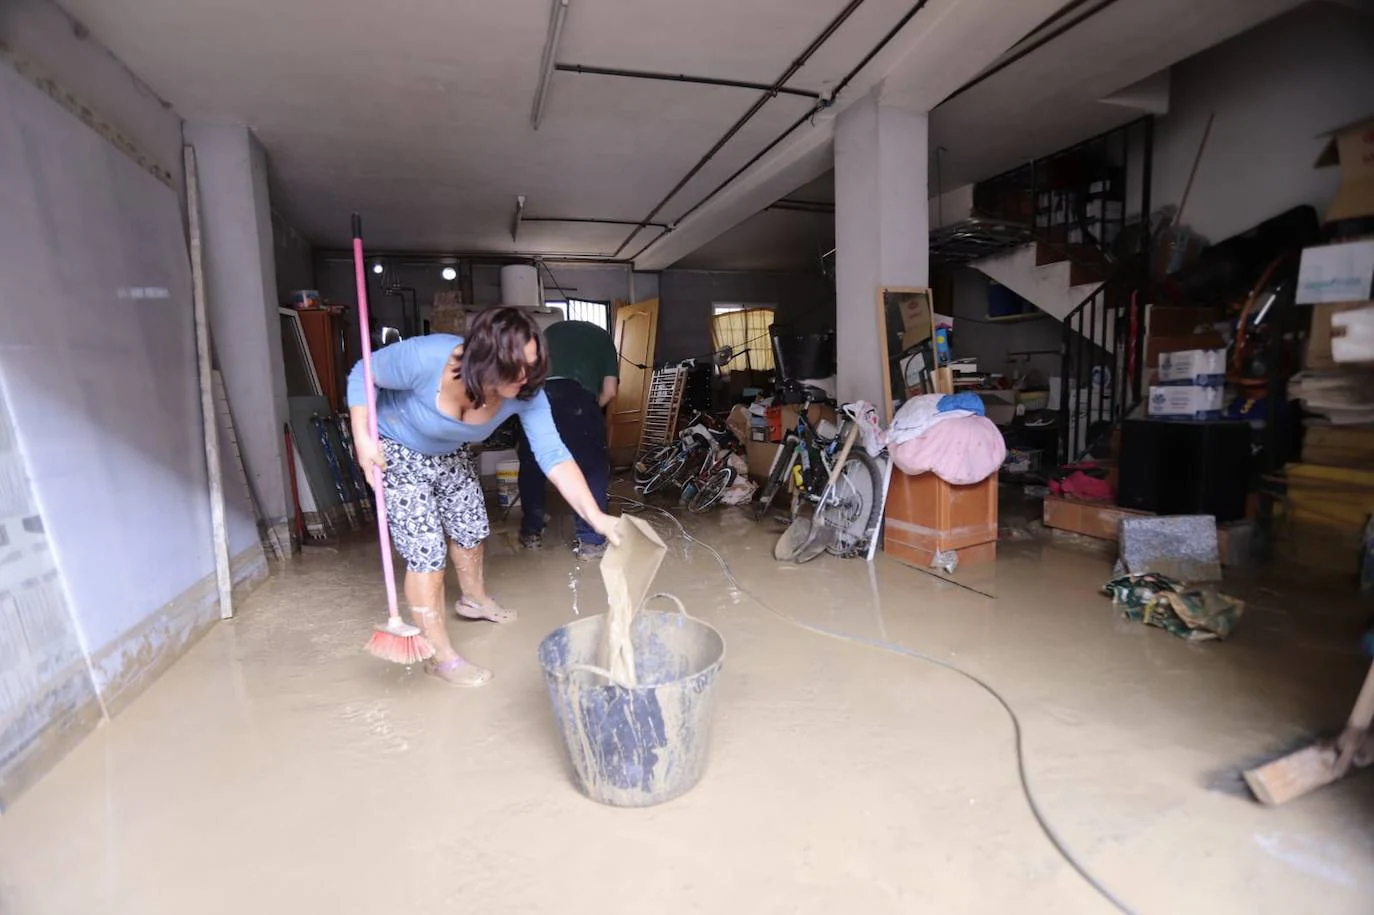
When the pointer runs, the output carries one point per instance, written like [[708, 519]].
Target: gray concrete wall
[[687, 300], [686, 297], [1275, 90], [97, 362], [294, 258], [991, 342]]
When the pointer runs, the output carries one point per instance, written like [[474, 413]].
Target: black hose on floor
[[894, 648]]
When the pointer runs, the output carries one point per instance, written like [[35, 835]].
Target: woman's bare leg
[[469, 562], [425, 593]]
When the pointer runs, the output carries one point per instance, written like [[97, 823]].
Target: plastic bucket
[[641, 745], [507, 483]]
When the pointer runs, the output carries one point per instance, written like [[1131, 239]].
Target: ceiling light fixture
[[377, 268], [449, 274], [541, 94]]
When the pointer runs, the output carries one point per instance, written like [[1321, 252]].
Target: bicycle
[[697, 463], [827, 470]]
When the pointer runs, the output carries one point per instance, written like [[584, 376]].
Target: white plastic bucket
[[507, 483]]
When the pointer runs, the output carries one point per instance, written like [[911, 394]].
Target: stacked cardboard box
[[1330, 495]]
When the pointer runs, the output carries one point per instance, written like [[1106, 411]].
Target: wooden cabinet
[[926, 515], [324, 334]]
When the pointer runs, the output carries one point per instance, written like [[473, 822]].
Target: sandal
[[458, 672], [491, 611]]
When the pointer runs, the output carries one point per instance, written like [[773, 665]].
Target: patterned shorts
[[429, 496]]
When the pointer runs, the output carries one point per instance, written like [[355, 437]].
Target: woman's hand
[[604, 525], [369, 453], [366, 448]]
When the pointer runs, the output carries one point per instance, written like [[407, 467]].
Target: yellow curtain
[[746, 332]]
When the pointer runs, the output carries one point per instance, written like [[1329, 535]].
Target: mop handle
[[365, 332]]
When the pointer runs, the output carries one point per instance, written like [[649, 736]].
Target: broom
[[394, 640]]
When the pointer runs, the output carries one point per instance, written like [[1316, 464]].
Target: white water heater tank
[[520, 286]]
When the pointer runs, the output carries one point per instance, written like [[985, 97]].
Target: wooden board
[[1101, 520]]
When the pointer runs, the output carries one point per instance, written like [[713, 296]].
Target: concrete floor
[[277, 768]]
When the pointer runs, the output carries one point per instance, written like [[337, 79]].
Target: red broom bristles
[[399, 649]]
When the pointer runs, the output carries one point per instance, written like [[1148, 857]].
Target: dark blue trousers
[[582, 426]]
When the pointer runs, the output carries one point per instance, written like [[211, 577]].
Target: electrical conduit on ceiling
[[771, 92], [849, 77]]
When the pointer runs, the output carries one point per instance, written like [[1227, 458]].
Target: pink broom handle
[[365, 331]]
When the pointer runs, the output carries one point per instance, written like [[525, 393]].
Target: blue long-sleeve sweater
[[407, 376]]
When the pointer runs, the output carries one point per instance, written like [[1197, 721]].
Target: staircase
[[1072, 285], [1062, 221], [1043, 275]]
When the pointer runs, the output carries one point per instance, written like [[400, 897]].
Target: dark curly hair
[[494, 354]]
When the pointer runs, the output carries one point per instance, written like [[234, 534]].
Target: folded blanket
[[960, 450]]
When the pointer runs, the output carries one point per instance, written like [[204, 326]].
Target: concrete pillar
[[882, 231], [241, 299]]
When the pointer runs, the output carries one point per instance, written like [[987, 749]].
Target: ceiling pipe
[[791, 71], [849, 77], [541, 95], [1031, 46], [802, 206], [684, 78], [593, 221]]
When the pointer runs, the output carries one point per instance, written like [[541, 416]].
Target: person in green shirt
[[584, 376]]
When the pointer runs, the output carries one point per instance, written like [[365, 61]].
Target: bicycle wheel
[[777, 478], [853, 506], [693, 463], [646, 467], [667, 471], [709, 492]]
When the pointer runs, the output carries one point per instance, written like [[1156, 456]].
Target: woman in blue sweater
[[436, 395]]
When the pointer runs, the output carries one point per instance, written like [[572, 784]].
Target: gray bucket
[[635, 746]]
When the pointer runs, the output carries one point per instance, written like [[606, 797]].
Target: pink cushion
[[959, 451]]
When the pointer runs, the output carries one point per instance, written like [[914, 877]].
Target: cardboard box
[[1206, 367], [1352, 148], [1338, 446], [1173, 321], [917, 324], [787, 416], [1319, 357], [1155, 347], [1336, 273], [1188, 401], [759, 456]]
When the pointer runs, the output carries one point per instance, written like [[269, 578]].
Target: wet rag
[[628, 571], [1195, 614]]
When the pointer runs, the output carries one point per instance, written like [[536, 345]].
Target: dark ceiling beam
[[684, 78]]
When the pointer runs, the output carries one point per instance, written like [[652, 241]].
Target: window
[[598, 313], [744, 328]]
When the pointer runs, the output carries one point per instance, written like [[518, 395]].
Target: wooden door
[[636, 335]]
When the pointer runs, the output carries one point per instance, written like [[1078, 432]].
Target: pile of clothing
[[1195, 614], [948, 435]]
